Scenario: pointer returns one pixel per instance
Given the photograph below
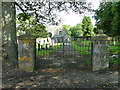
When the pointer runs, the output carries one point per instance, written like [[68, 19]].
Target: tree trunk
[[0, 44], [9, 34]]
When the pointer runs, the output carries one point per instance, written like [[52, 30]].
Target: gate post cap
[[101, 36], [26, 36]]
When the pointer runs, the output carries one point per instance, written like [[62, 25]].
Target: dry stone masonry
[[26, 52], [100, 56]]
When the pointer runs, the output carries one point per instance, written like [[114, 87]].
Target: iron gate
[[75, 48], [63, 49]]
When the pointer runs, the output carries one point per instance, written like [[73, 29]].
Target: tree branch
[[20, 7]]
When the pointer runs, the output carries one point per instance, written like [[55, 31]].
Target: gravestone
[[26, 52], [100, 56]]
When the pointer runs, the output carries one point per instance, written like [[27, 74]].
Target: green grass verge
[[117, 61], [87, 42], [116, 43], [115, 49], [81, 49], [46, 52]]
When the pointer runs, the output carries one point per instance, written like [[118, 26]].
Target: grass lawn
[[116, 43], [46, 52], [87, 42], [84, 51], [81, 49], [115, 50], [116, 61]]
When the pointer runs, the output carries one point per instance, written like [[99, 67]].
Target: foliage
[[115, 30], [28, 24], [46, 11], [81, 29], [67, 28], [75, 30], [87, 26], [95, 30], [107, 17]]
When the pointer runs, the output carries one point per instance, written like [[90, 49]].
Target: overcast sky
[[73, 19]]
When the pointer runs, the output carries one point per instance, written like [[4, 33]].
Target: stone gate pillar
[[100, 54], [26, 52]]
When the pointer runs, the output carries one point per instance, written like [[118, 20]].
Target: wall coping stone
[[26, 36], [101, 37]]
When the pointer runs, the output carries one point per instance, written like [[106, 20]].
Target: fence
[[85, 47], [47, 48], [81, 45], [93, 50]]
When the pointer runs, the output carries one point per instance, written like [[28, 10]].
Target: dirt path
[[62, 70]]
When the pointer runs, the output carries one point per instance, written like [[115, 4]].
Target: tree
[[46, 11], [104, 17], [67, 28], [30, 25], [115, 24], [87, 26], [76, 30], [39, 30], [9, 41], [43, 12], [107, 17], [73, 31], [79, 29], [96, 31]]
